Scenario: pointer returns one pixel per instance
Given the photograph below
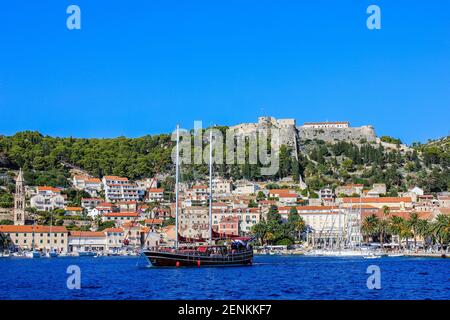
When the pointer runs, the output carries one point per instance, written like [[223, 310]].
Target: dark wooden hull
[[173, 259]]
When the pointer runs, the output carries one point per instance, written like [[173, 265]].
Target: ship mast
[[176, 186], [210, 186]]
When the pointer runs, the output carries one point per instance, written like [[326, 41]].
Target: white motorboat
[[51, 254], [394, 255], [87, 254], [33, 254]]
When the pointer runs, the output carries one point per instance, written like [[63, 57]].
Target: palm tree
[[396, 225], [260, 231], [369, 226], [441, 229], [405, 232], [383, 225], [424, 231], [414, 223]]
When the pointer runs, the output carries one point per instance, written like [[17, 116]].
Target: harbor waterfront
[[271, 277]]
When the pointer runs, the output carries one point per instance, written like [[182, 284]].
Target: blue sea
[[271, 277]]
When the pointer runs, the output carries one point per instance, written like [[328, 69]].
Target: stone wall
[[355, 135]]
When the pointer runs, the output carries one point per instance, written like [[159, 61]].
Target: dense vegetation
[[46, 161], [427, 166]]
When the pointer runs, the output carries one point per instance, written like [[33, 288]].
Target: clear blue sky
[[140, 67]]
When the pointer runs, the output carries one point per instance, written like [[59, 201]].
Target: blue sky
[[140, 67]]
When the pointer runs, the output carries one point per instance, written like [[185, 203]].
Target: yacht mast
[[210, 186], [176, 186]]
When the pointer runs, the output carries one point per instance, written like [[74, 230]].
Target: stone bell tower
[[19, 200]]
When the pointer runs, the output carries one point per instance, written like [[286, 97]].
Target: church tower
[[19, 200]]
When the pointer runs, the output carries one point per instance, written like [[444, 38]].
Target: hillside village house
[[228, 226], [221, 186], [155, 195], [47, 199], [377, 190], [148, 183], [194, 222], [196, 196], [120, 189], [444, 201], [120, 217], [350, 189], [247, 188], [126, 206], [93, 186], [326, 195], [90, 203], [43, 238], [73, 211], [247, 217], [153, 224]]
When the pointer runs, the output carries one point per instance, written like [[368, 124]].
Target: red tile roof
[[29, 229], [87, 234], [113, 230], [377, 200], [116, 178], [46, 188], [121, 214]]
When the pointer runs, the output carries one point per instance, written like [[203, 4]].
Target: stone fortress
[[293, 135]]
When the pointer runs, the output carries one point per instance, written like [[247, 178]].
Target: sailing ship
[[238, 253]]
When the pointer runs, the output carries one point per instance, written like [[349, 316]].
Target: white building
[[120, 189], [91, 185], [221, 186], [120, 217], [83, 241], [155, 195], [47, 199], [248, 188]]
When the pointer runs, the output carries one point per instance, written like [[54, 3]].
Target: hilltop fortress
[[292, 135]]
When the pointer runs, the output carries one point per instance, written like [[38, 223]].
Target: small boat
[[33, 254], [51, 254], [372, 256], [87, 254], [394, 255]]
